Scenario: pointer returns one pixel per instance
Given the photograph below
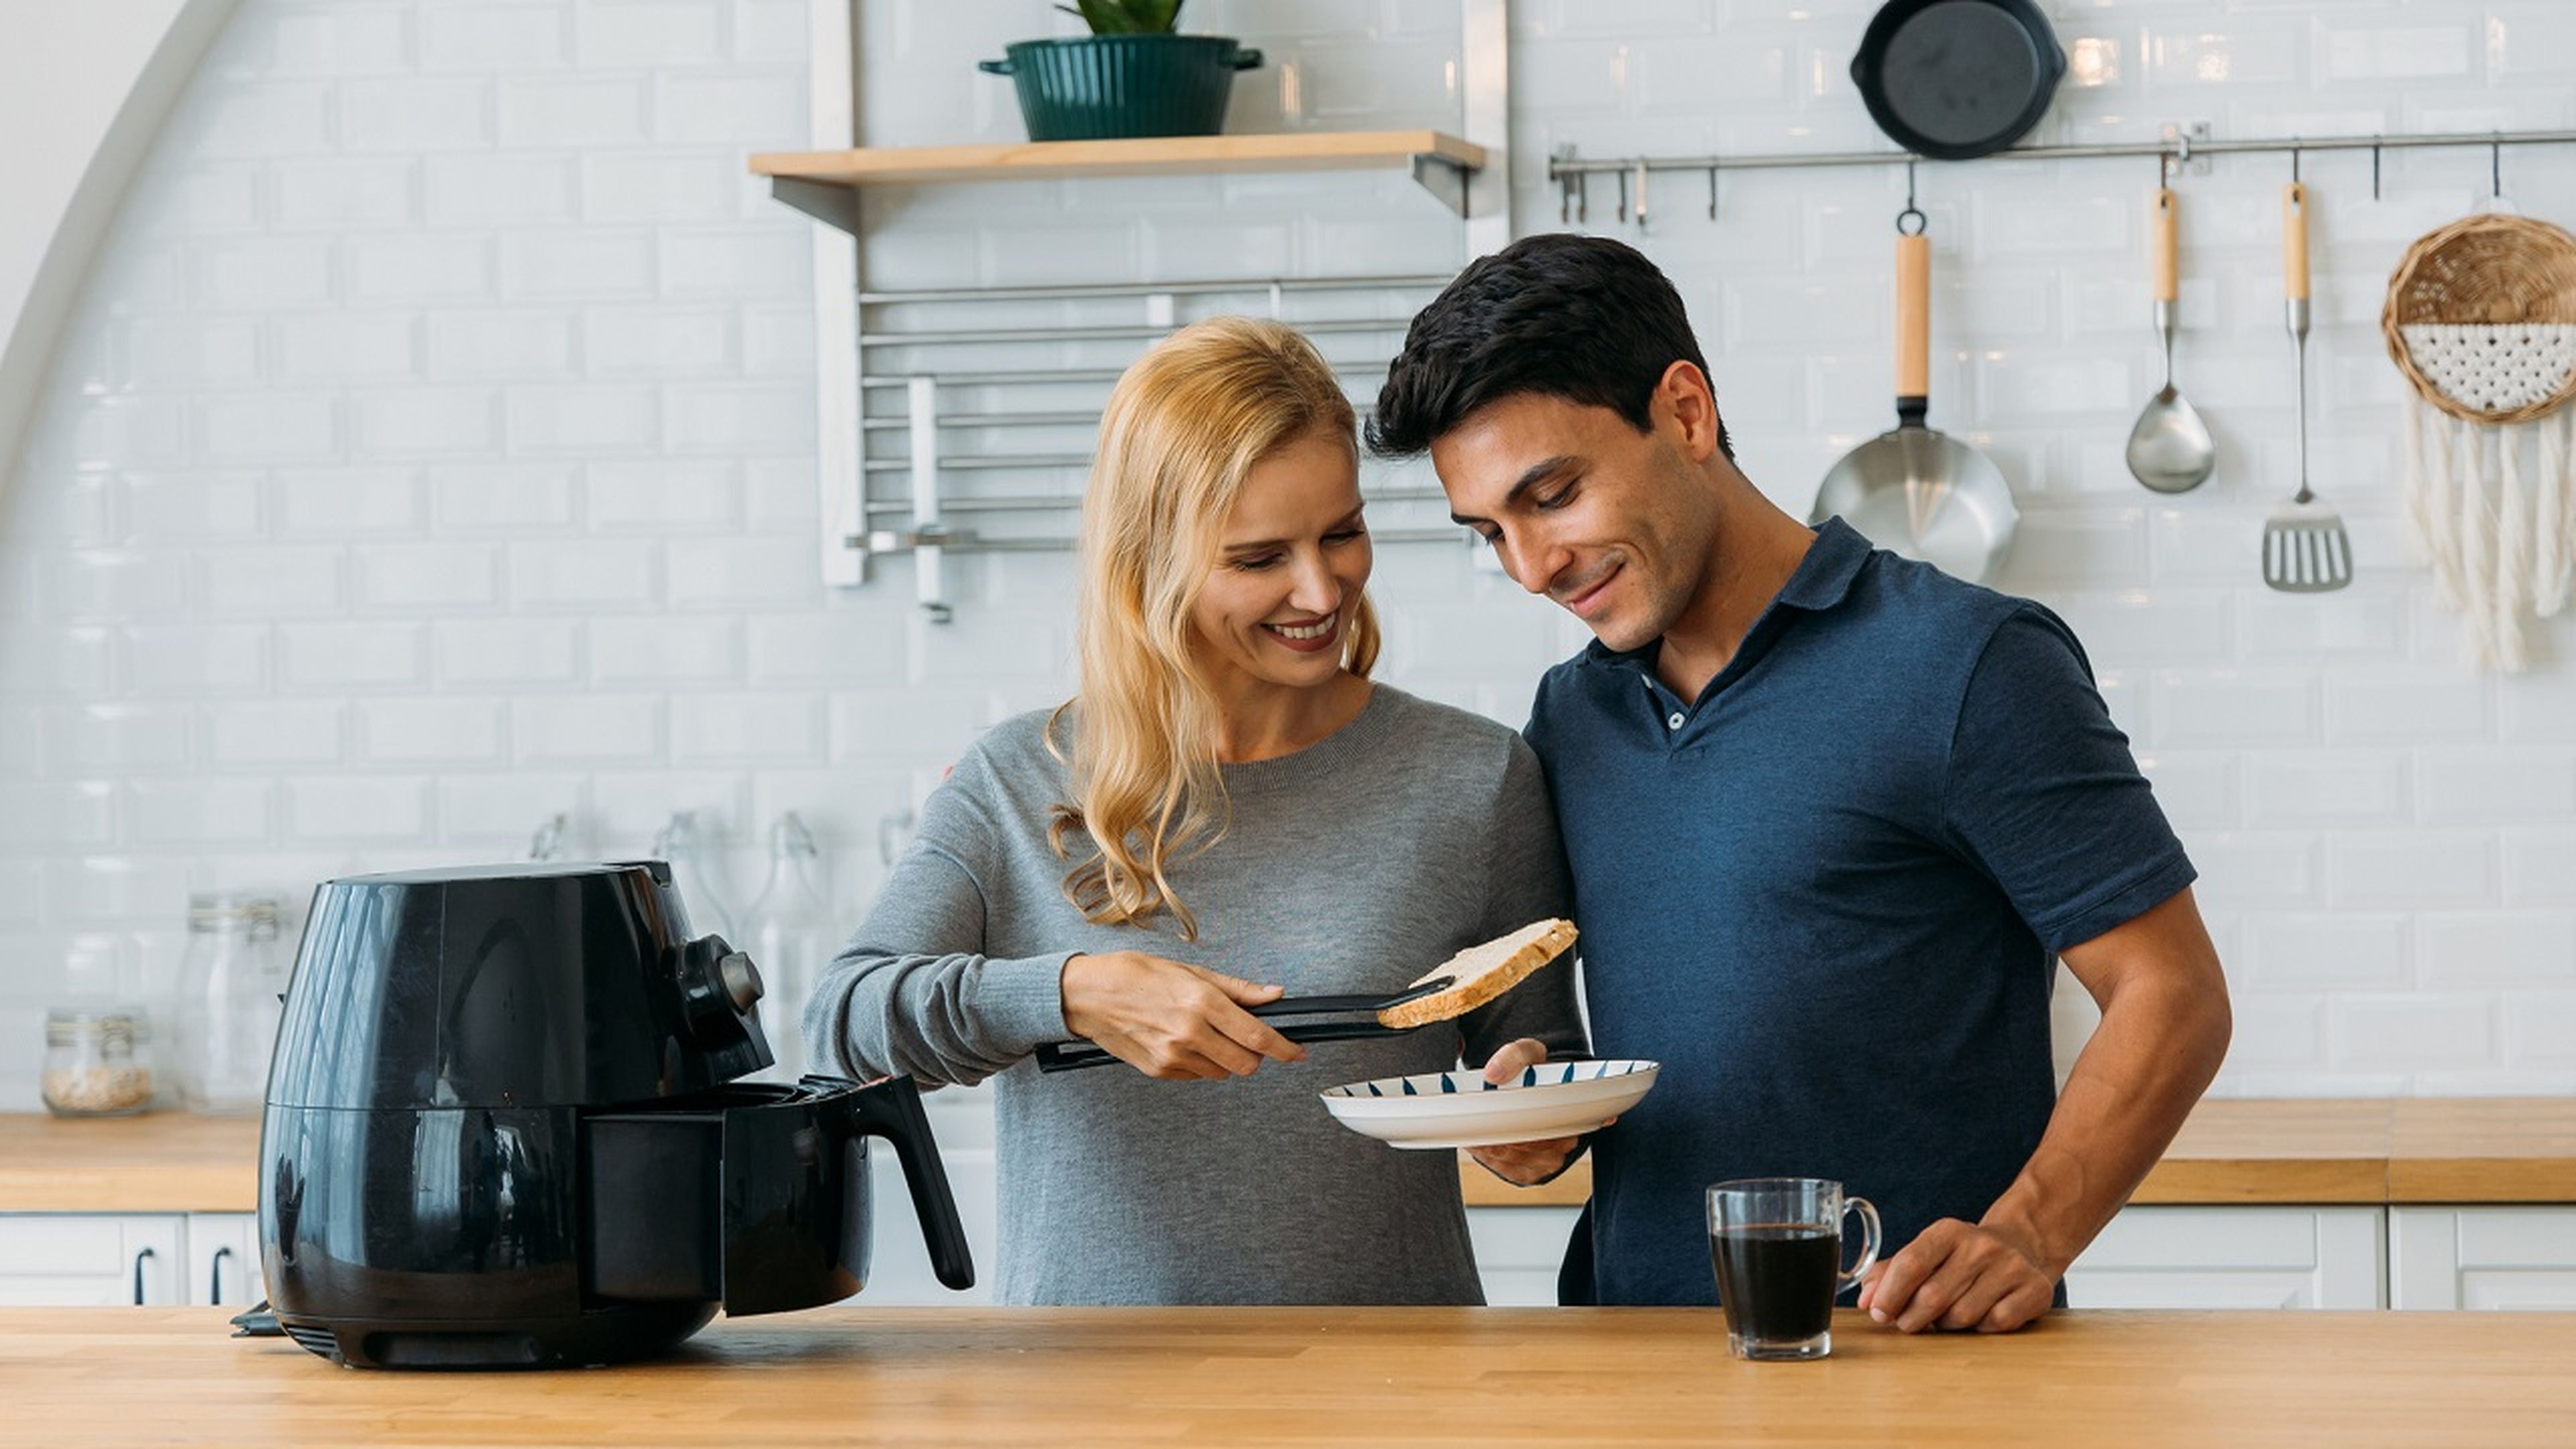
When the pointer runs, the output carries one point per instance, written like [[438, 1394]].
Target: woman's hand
[[1170, 1019], [1523, 1164]]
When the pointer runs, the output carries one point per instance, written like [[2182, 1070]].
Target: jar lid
[[101, 1019], [232, 910]]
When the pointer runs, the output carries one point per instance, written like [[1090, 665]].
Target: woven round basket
[[2499, 292]]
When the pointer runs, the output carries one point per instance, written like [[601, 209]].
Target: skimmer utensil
[[2304, 547]]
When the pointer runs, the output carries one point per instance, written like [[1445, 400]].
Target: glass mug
[[1777, 1246]]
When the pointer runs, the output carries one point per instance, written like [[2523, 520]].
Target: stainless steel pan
[[1921, 493]]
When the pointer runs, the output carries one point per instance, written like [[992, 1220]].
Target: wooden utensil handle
[[2294, 242], [2161, 238], [1913, 315]]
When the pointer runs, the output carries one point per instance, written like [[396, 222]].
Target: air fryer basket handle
[[891, 1108]]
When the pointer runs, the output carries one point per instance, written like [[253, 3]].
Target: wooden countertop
[[160, 1162], [2233, 1150], [1309, 1377], [2305, 1150]]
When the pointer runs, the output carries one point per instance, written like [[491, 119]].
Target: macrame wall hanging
[[2481, 317]]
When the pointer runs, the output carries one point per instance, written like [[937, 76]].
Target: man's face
[[1615, 525]]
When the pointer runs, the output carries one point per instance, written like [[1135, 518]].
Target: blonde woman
[[1229, 799]]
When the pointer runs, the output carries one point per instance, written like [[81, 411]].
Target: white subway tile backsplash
[[323, 808], [268, 427], [596, 728], [416, 269], [353, 655], [347, 502], [274, 582], [451, 577], [2540, 867], [489, 38], [708, 729], [380, 193], [572, 111], [418, 421], [2328, 787], [502, 653], [2411, 869], [2496, 786], [2541, 1027], [192, 507], [346, 347], [589, 575], [103, 738], [469, 190], [448, 375], [200, 811], [659, 340], [256, 732], [2414, 1031], [653, 186], [193, 659], [2507, 949], [656, 33], [662, 649], [589, 263], [594, 417], [505, 808], [50, 814], [501, 498], [416, 113], [446, 731]]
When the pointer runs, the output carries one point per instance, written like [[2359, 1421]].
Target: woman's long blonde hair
[[1182, 429]]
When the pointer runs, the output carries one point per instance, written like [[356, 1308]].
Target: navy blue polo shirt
[[1827, 895]]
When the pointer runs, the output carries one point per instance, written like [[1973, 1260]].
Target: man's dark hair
[[1582, 318]]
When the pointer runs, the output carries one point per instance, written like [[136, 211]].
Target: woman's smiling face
[[1291, 561]]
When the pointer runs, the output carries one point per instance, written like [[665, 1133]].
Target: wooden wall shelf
[[811, 180]]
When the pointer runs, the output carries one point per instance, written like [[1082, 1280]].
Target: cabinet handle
[[215, 1289], [138, 1275]]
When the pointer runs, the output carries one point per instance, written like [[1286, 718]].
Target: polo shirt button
[[1673, 721]]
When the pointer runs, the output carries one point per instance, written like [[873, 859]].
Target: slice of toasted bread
[[1481, 973]]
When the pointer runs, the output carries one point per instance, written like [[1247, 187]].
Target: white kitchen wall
[[433, 451]]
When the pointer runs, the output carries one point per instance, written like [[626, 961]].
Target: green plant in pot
[[1131, 76]]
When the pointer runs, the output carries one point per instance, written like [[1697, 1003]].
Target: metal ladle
[[2170, 449]]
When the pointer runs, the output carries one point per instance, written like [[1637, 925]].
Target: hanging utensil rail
[[2180, 147]]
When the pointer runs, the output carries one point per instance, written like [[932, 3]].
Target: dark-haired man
[[1832, 817]]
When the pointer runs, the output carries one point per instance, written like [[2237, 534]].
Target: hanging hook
[[2495, 167], [2294, 163], [2374, 168], [1712, 193], [1623, 195], [1911, 211], [1582, 198], [2164, 169]]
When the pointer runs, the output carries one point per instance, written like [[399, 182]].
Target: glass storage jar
[[98, 1061], [232, 997]]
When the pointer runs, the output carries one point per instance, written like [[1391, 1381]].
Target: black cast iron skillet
[[1956, 79]]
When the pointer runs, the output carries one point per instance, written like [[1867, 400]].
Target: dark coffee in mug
[[1776, 1280], [1777, 1246]]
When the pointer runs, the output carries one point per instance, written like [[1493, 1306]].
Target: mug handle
[[1868, 1240]]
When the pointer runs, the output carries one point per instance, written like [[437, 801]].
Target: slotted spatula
[[2304, 547]]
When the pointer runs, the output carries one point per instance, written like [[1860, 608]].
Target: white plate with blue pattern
[[1462, 1109]]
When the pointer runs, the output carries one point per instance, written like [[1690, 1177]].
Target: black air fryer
[[502, 1130]]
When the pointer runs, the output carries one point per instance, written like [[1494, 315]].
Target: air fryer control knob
[[740, 978]]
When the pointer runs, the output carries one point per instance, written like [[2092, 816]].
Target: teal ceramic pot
[[1101, 87]]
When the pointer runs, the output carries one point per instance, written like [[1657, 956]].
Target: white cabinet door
[[2484, 1257], [2235, 1257], [223, 1259], [1518, 1250], [80, 1260]]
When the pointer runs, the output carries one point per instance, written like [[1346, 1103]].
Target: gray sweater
[[1353, 865]]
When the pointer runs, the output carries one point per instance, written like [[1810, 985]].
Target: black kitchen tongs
[[1066, 1056]]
